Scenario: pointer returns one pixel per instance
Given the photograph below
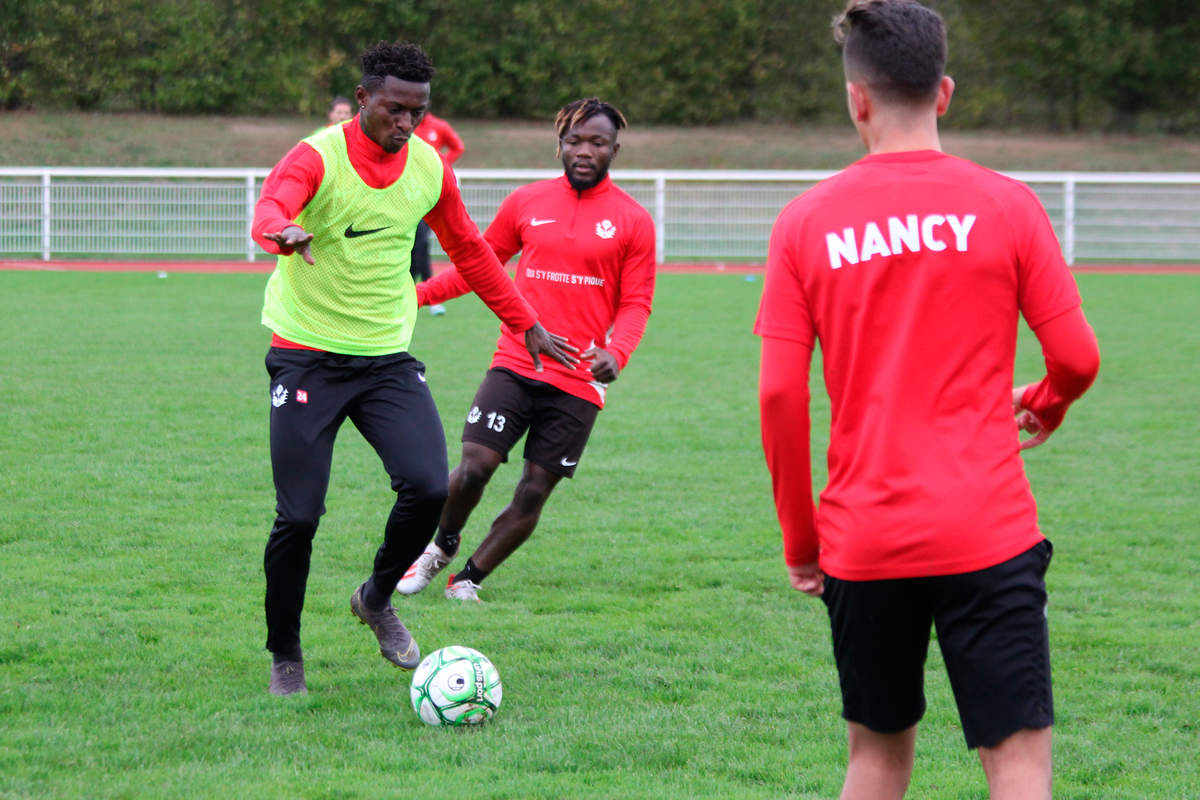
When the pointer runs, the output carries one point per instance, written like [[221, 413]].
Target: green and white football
[[456, 686]]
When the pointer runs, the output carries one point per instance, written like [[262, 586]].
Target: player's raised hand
[[604, 368], [1027, 421], [294, 238], [538, 340]]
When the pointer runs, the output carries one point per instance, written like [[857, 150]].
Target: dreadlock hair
[[577, 112], [402, 60], [896, 47]]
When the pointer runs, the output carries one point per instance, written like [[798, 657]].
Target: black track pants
[[312, 394]]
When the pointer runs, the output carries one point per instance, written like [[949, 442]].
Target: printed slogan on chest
[[563, 277]]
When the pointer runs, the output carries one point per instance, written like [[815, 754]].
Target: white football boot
[[423, 570], [462, 590]]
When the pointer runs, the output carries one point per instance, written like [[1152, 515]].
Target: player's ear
[[858, 99], [616, 148], [945, 92]]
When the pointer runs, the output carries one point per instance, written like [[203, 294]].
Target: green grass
[[76, 139], [648, 642]]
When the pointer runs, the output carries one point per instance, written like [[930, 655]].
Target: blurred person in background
[[442, 137], [340, 110]]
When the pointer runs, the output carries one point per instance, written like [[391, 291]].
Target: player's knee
[[292, 529], [473, 474], [429, 488], [530, 496]]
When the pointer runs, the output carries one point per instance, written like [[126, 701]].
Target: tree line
[[1067, 65]]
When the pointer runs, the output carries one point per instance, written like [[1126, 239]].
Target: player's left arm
[[1049, 300], [500, 237], [479, 268], [633, 305], [474, 261], [1072, 358]]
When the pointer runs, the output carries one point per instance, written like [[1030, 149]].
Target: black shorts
[[507, 405], [991, 627]]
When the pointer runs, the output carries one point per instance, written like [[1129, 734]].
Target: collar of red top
[[603, 186], [903, 156], [362, 146]]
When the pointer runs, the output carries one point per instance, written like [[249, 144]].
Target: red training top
[[294, 182], [910, 269], [587, 265], [438, 133]]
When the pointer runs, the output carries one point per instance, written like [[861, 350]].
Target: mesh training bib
[[358, 298]]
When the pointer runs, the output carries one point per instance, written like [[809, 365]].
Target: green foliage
[[1076, 64], [1082, 64]]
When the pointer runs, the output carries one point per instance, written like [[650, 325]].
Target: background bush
[[1074, 64]]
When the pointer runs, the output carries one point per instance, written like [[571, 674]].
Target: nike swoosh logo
[[566, 463], [421, 377], [533, 223], [351, 233]]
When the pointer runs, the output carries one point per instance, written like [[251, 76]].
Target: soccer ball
[[456, 686]]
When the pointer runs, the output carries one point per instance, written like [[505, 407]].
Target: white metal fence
[[700, 215]]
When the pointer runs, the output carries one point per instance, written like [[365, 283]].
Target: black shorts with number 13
[[507, 405]]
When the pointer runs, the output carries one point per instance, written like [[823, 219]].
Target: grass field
[[649, 644], [77, 139]]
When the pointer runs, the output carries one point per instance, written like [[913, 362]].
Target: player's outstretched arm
[[475, 262], [444, 286], [293, 238]]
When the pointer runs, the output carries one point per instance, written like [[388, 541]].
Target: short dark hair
[[579, 111], [340, 101], [896, 47], [403, 60]]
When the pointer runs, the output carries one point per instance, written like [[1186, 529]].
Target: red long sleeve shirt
[[587, 265], [294, 182], [911, 270]]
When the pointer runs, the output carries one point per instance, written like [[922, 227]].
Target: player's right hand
[[538, 340], [294, 239]]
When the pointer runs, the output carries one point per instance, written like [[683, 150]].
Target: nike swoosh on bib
[[536, 222], [351, 233]]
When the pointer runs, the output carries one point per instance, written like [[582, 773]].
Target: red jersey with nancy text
[[587, 266], [910, 270]]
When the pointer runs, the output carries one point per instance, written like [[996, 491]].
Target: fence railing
[[699, 215]]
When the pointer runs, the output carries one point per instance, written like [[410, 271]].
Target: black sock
[[448, 540], [471, 573], [373, 598], [294, 655]]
